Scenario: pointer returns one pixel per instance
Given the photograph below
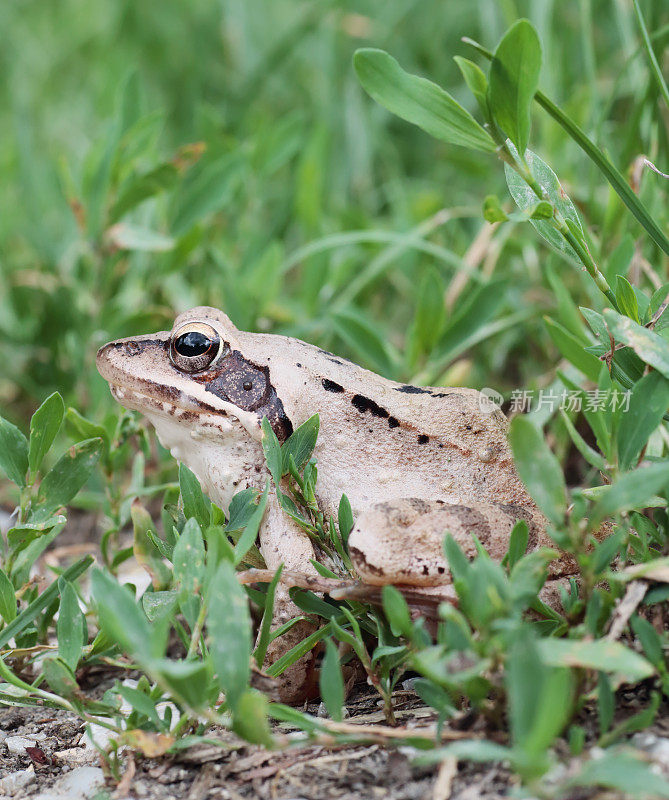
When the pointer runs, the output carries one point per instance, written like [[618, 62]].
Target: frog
[[413, 461]]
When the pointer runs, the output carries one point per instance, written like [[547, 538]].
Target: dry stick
[[475, 254], [635, 593], [345, 589]]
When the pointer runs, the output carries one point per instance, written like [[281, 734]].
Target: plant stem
[[601, 161], [521, 167], [197, 630]]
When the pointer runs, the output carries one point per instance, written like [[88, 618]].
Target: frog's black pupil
[[192, 344]]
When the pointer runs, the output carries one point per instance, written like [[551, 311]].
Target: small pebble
[[15, 782], [16, 745]]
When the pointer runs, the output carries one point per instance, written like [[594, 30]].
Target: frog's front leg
[[282, 541]]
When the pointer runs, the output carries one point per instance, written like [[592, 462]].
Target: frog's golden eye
[[195, 347]]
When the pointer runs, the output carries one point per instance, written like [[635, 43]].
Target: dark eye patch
[[247, 385]]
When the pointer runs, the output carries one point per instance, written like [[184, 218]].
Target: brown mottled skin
[[414, 462]]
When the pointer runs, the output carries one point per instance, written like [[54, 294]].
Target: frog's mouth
[[185, 410], [131, 398], [152, 388]]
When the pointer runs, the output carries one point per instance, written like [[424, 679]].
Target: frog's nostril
[[132, 348]]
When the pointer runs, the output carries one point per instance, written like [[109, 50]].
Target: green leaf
[[60, 677], [250, 719], [196, 503], [435, 696], [69, 474], [229, 627], [526, 200], [149, 550], [476, 81], [187, 679], [42, 601], [250, 532], [648, 404], [650, 641], [478, 750], [7, 598], [188, 560], [396, 610], [649, 346], [70, 626], [313, 604], [267, 617], [469, 321], [492, 210], [458, 564], [541, 210], [367, 339], [632, 490], [567, 311], [272, 450], [626, 298], [418, 101], [551, 714], [429, 314], [141, 703], [345, 519], [588, 453], [601, 655], [606, 702], [300, 444], [121, 618], [518, 540], [331, 682], [572, 349], [13, 452], [159, 605], [606, 550], [83, 428], [141, 187], [44, 426], [207, 190], [514, 79], [538, 468], [624, 770]]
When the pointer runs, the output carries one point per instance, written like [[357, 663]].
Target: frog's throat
[[184, 410]]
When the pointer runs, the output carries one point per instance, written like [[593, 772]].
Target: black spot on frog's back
[[409, 389], [364, 404]]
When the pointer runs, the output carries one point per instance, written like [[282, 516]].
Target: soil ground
[[235, 770]]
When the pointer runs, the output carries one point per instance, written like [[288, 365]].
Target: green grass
[[161, 157]]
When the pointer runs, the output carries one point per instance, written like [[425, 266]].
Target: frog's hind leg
[[401, 542]]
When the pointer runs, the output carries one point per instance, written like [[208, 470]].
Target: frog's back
[[381, 439]]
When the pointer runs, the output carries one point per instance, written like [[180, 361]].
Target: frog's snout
[[116, 357]]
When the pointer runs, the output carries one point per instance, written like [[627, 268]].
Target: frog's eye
[[195, 346]]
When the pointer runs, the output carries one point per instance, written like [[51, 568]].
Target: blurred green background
[[160, 155]]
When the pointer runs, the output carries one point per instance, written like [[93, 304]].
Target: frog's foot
[[401, 542], [299, 681]]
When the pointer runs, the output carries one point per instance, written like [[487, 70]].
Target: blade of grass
[[411, 239], [654, 66]]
